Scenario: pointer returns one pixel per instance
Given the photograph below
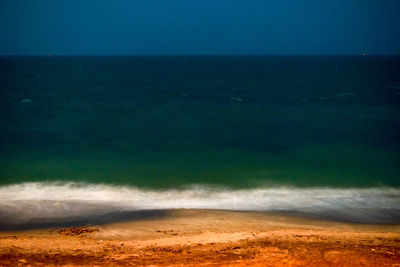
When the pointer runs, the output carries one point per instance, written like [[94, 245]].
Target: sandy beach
[[205, 238]]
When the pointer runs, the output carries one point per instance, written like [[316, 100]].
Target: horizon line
[[175, 55]]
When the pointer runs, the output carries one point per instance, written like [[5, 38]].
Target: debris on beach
[[78, 231]]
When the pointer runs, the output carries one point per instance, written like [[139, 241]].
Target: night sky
[[97, 27]]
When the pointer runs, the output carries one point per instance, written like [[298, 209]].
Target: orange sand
[[206, 238]]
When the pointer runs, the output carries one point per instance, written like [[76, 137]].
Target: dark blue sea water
[[235, 127]]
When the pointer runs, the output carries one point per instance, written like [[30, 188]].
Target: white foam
[[51, 202]]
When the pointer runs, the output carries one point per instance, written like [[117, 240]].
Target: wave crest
[[66, 202]]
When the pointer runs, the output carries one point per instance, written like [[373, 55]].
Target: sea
[[83, 138]]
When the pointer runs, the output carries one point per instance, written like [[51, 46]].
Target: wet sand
[[206, 238]]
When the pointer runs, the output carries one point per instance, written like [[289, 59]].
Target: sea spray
[[64, 202]]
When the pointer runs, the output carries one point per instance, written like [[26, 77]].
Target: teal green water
[[167, 122]]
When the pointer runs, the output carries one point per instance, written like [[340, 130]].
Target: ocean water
[[89, 136]]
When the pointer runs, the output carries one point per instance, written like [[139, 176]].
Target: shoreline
[[206, 237]]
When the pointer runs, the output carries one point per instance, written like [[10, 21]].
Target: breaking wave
[[40, 203]]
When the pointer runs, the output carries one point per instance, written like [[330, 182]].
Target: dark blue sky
[[199, 27]]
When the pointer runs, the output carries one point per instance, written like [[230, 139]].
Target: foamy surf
[[33, 203]]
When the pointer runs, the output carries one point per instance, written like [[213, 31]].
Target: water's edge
[[57, 203]]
